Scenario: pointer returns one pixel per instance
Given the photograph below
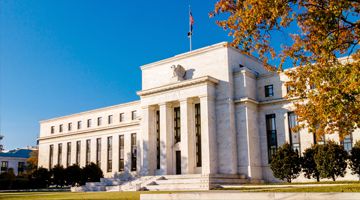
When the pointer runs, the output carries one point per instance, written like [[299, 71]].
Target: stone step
[[113, 188], [182, 176], [175, 187], [94, 184], [179, 181]]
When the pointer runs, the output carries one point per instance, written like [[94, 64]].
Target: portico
[[179, 128]]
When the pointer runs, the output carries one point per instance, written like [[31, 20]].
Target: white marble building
[[211, 111]]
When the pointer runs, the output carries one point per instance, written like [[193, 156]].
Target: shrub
[[40, 178], [309, 165], [73, 175], [355, 159], [330, 160], [286, 163], [58, 174], [91, 173]]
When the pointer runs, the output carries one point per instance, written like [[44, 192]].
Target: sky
[[59, 57]]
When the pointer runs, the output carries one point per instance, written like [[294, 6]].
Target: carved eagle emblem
[[178, 72]]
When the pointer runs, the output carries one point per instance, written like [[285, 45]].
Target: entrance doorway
[[178, 162]]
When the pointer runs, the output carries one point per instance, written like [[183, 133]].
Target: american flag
[[191, 23]]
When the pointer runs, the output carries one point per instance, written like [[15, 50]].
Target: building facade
[[209, 111], [14, 159]]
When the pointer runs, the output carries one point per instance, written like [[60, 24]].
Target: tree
[[73, 175], [330, 160], [58, 174], [355, 159], [309, 165], [319, 32], [92, 173], [286, 163], [32, 161], [41, 177], [7, 179]]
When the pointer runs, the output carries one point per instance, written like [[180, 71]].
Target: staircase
[[164, 183]]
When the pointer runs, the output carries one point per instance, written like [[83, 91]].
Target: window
[[110, 119], [294, 136], [198, 134], [51, 156], [69, 126], [271, 135], [121, 153], [347, 142], [157, 139], [60, 128], [269, 91], [87, 158], [21, 167], [99, 121], [177, 130], [59, 154], [89, 123], [79, 125], [133, 152], [109, 154], [78, 149], [4, 166], [289, 89], [133, 115], [52, 129], [68, 154], [121, 117], [98, 152]]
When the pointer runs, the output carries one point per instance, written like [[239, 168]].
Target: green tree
[[309, 165], [7, 179], [318, 33], [41, 178], [355, 159], [73, 175], [286, 163], [330, 160], [91, 173], [58, 174]]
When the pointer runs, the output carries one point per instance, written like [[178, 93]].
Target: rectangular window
[[157, 139], [133, 115], [294, 136], [4, 166], [59, 154], [89, 123], [347, 142], [198, 134], [78, 150], [121, 117], [271, 135], [98, 152], [109, 154], [51, 156], [21, 167], [52, 129], [99, 121], [110, 119], [121, 153], [177, 130], [133, 152], [88, 151], [60, 128], [69, 126], [68, 154], [269, 90], [79, 125]]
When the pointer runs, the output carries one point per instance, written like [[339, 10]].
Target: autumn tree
[[326, 89], [32, 161]]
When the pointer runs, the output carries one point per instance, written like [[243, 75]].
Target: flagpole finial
[[191, 23]]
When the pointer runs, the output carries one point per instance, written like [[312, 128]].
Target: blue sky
[[59, 57]]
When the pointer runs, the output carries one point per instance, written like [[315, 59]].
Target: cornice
[[92, 111], [122, 125], [172, 86]]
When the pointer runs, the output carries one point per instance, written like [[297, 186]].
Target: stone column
[[166, 139], [148, 142], [187, 136], [208, 135]]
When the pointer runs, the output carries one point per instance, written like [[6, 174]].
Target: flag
[[191, 23]]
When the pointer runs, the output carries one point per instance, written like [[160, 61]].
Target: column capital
[[188, 100], [208, 97]]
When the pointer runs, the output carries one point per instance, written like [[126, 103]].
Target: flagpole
[[190, 31]]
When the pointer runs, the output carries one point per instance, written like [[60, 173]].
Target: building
[[14, 159], [211, 111]]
